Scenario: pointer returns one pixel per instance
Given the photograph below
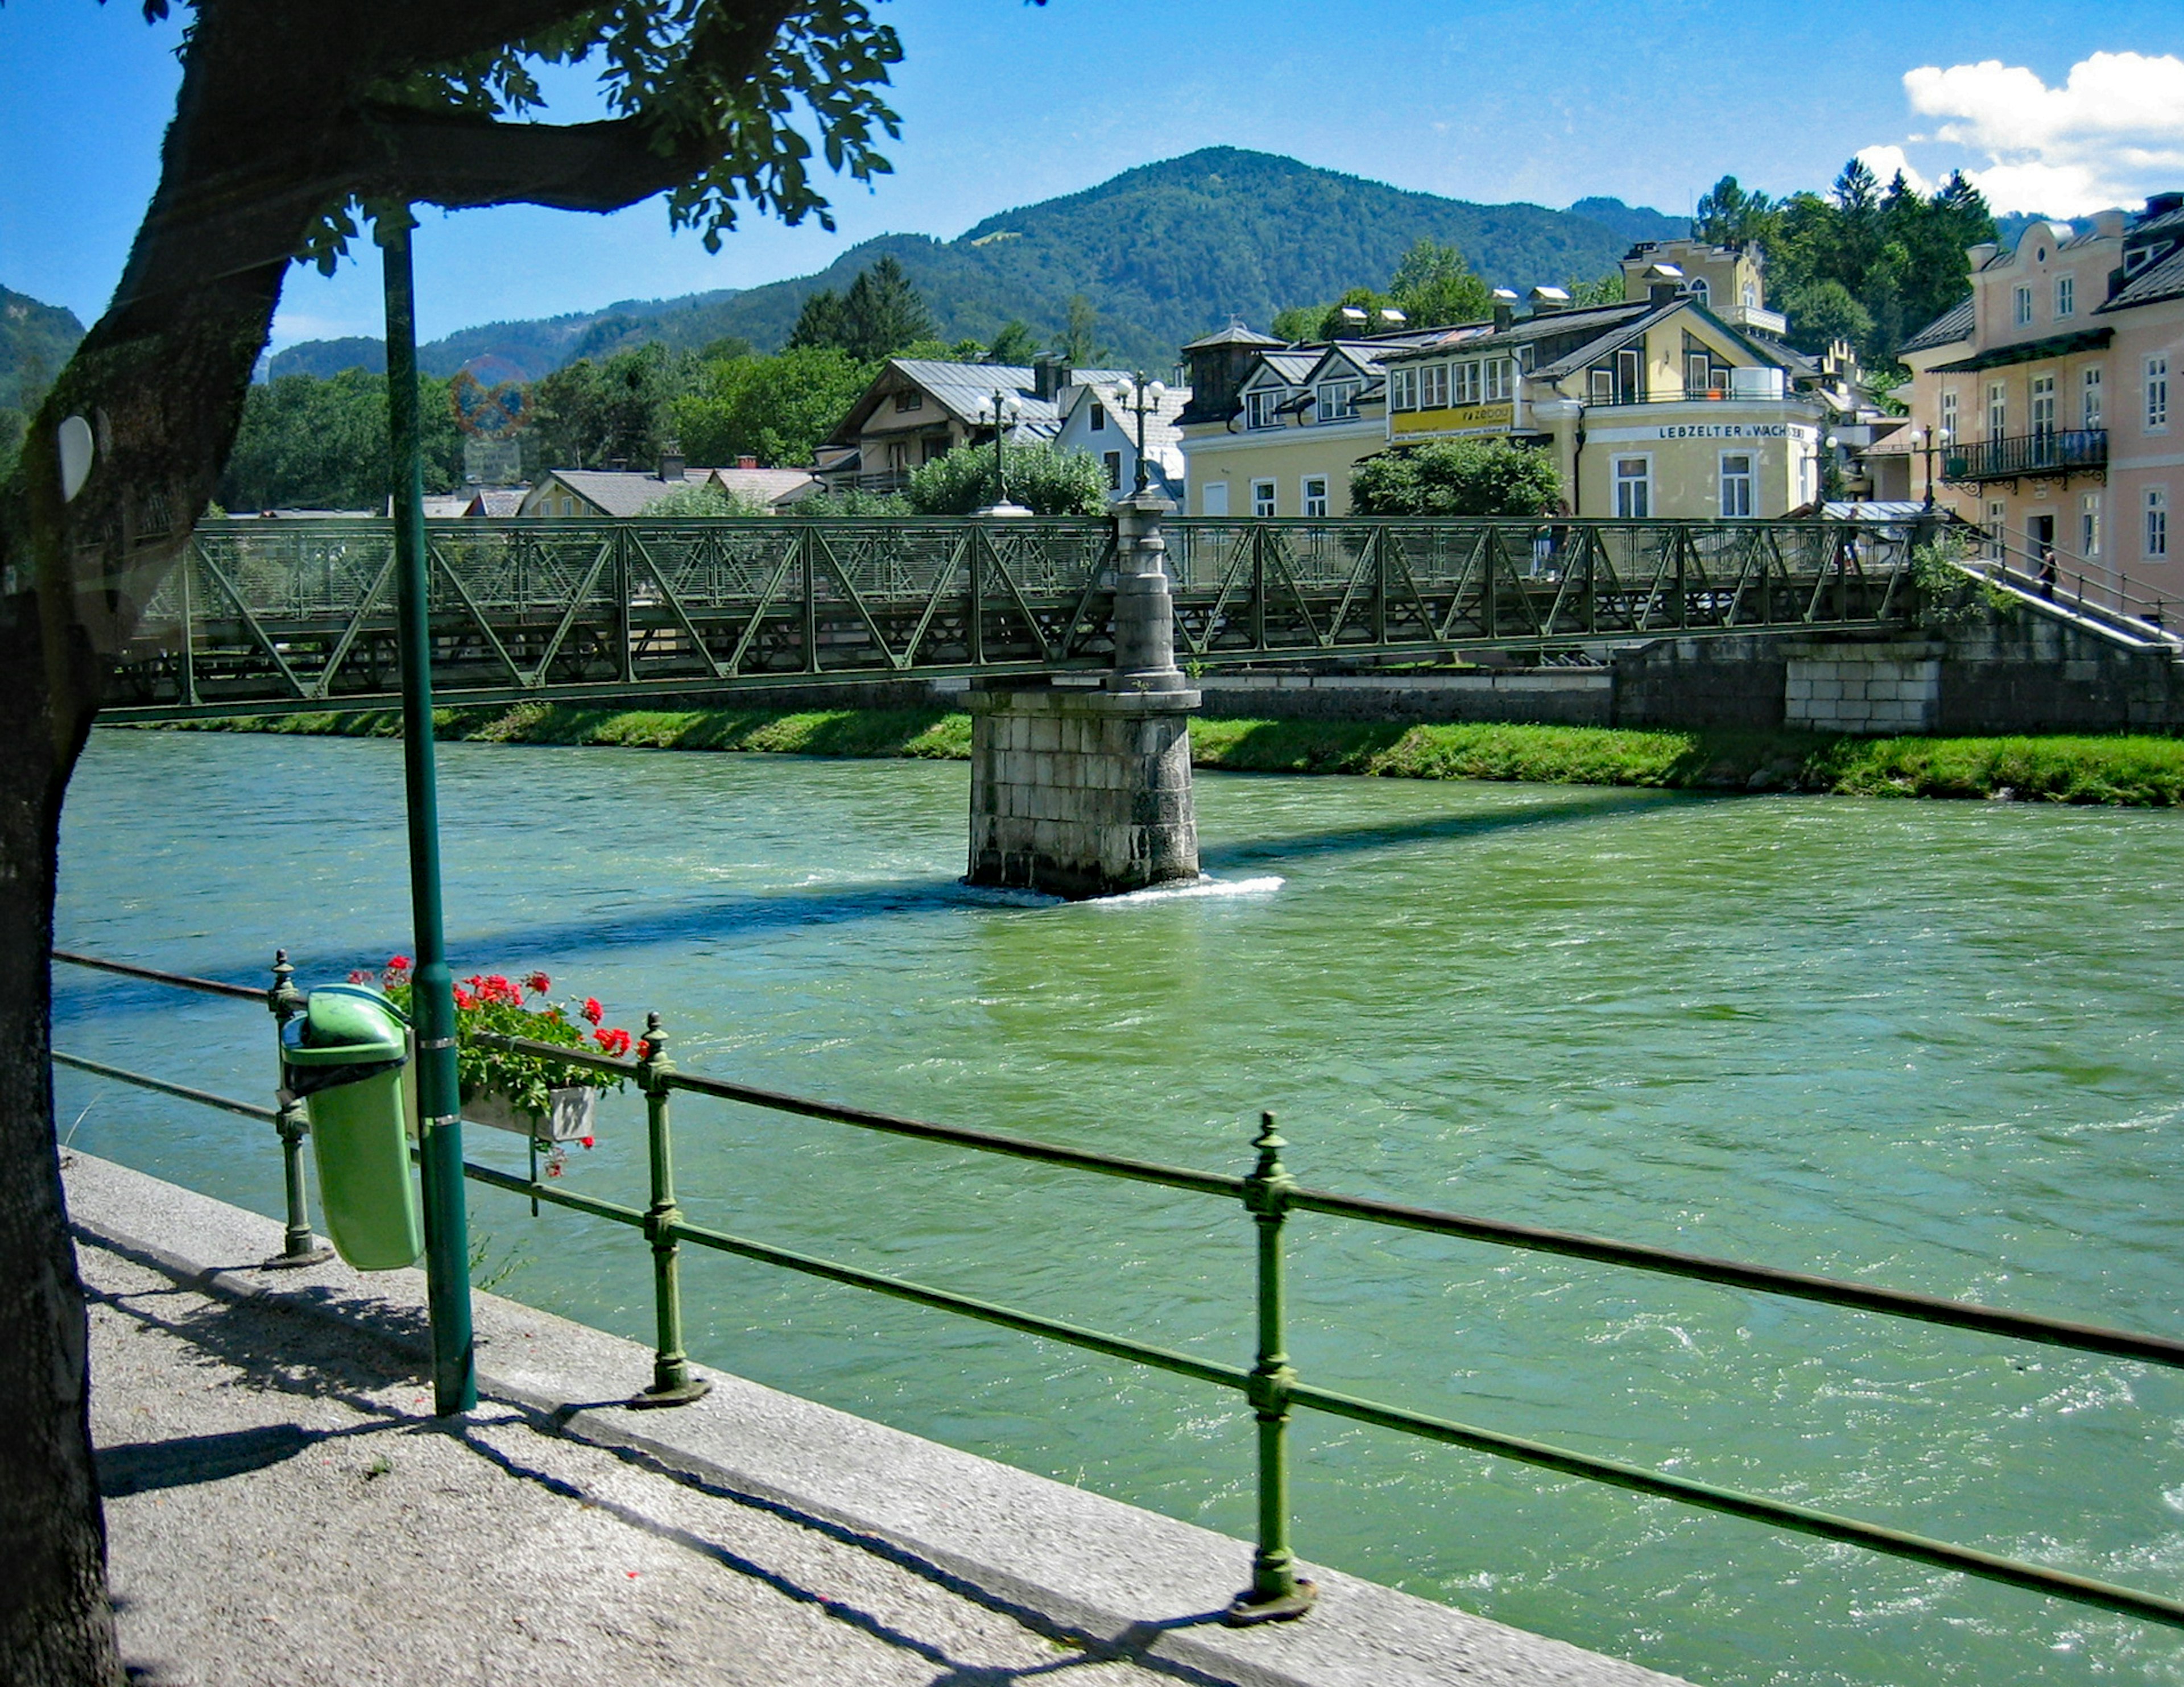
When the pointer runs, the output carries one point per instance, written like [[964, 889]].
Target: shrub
[[1458, 477], [1050, 482]]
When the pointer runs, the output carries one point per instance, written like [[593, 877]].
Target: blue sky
[[2065, 108]]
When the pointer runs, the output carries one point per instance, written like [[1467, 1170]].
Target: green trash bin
[[344, 1056]]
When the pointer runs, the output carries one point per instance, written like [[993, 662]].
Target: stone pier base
[[1081, 793]]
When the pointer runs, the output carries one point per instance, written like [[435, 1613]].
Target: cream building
[[2043, 408]]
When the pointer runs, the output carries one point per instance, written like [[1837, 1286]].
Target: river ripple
[[1929, 1044]]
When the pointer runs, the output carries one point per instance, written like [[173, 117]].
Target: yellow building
[[1680, 400]]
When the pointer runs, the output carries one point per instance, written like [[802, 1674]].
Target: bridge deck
[[301, 614]]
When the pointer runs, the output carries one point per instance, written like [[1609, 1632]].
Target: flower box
[[573, 1119]]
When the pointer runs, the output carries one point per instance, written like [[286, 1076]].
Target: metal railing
[[296, 615], [1267, 1194], [2107, 595], [2049, 451]]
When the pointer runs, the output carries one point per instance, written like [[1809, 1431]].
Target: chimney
[[1663, 281], [618, 464], [1547, 300], [1505, 309], [671, 461], [1049, 375], [2161, 205], [747, 462]]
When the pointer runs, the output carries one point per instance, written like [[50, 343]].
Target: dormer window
[[1700, 291], [910, 398], [1263, 408], [2022, 306], [1338, 401], [2066, 296]]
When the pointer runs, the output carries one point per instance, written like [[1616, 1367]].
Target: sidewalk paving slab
[[283, 1508]]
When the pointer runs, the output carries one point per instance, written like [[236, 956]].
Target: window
[[1750, 296], [1634, 487], [1262, 497], [910, 398], [2090, 399], [2156, 394], [1315, 494], [1736, 486], [1998, 410], [1113, 460], [2066, 295], [1603, 385], [1433, 387], [1338, 401], [2023, 297], [2089, 524], [2043, 404], [1696, 365], [1467, 383], [1499, 370], [1403, 389], [1261, 409], [1630, 376], [1213, 500], [2157, 521], [1949, 430], [1097, 422], [1997, 527], [1700, 289]]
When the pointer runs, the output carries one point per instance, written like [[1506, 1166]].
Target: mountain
[[1164, 253], [35, 341]]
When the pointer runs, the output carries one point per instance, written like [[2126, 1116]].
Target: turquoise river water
[[1932, 1045]]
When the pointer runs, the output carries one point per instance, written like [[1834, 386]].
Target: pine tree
[[883, 313]]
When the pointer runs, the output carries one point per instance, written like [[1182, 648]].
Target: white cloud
[[1886, 162], [2111, 134]]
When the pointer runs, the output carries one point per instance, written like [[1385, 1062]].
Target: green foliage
[[500, 1006], [851, 502], [1045, 480], [703, 499], [1078, 342], [1458, 477], [36, 342], [1867, 263], [1016, 345], [775, 408], [308, 444], [940, 351], [1606, 289], [881, 314], [1435, 289], [12, 424], [1950, 594], [588, 415]]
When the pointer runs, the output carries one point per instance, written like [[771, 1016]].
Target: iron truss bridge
[[268, 616]]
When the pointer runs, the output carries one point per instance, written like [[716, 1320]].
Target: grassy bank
[[2132, 771]]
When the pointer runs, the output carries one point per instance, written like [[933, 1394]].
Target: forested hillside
[[1161, 254], [35, 341]]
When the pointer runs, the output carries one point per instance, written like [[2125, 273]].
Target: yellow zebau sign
[[1464, 419]]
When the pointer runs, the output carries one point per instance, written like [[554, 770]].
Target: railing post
[[285, 1001], [1275, 1596], [672, 1384]]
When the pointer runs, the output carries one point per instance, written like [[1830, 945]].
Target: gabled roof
[[1291, 368], [1954, 324], [765, 485], [623, 491], [1160, 430], [2164, 279]]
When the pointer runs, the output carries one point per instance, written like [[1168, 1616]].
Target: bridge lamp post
[[1137, 393], [1931, 438], [1000, 413]]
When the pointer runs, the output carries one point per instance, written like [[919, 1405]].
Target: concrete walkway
[[282, 1508]]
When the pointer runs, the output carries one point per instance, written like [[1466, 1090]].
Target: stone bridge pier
[[1081, 791]]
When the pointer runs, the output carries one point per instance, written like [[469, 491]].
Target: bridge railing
[[298, 614], [1267, 1195]]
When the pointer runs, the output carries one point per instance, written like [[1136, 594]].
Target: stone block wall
[[1868, 689], [1569, 696], [1080, 793], [1731, 681]]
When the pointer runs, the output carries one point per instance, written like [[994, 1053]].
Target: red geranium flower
[[360, 977], [463, 998], [615, 1042], [538, 983], [400, 963], [587, 1141], [592, 1010]]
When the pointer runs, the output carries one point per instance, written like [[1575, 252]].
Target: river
[[1932, 1045]]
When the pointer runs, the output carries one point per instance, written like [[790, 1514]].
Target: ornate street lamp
[[1932, 438], [1137, 393], [1000, 413]]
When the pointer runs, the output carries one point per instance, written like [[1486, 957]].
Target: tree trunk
[[55, 1626]]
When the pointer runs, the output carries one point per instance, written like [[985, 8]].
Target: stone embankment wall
[[1569, 696], [2024, 671]]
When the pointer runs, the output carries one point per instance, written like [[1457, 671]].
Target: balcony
[[2085, 451]]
